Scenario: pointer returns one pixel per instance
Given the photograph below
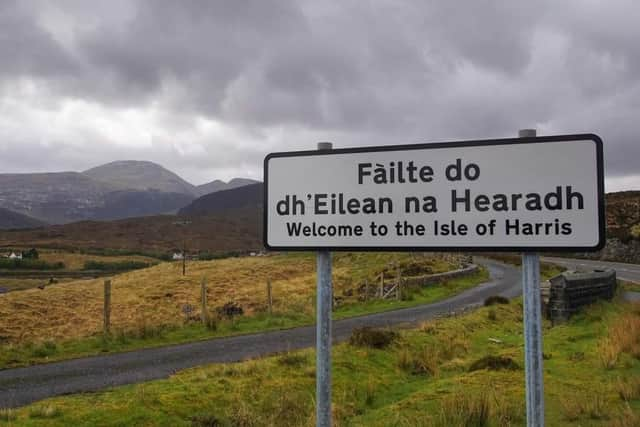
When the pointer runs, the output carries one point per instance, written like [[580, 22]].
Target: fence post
[[399, 287], [203, 301], [107, 307], [381, 284], [269, 297]]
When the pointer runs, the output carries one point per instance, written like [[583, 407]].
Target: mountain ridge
[[114, 190]]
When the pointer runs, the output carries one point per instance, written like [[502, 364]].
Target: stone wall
[[570, 291]]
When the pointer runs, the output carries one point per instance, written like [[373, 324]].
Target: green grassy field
[[150, 335], [459, 371]]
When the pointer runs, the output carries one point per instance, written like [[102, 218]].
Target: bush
[[230, 310], [115, 266], [494, 363], [29, 264], [496, 299], [372, 337]]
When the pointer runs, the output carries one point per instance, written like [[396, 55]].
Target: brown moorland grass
[[156, 296]]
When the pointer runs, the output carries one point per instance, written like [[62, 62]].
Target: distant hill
[[237, 230], [245, 197], [141, 175], [218, 185], [116, 190], [12, 220], [53, 197]]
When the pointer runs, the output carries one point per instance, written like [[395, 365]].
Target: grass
[[422, 379], [148, 305]]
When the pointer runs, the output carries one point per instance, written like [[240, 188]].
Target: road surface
[[21, 386], [629, 272]]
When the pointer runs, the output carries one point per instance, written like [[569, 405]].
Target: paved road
[[24, 385], [630, 272]]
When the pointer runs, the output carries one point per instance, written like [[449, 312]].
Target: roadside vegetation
[[158, 306], [466, 370]]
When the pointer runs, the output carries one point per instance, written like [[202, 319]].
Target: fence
[[570, 291]]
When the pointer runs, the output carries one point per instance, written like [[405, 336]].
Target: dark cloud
[[210, 86]]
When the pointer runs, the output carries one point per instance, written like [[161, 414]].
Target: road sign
[[520, 194]]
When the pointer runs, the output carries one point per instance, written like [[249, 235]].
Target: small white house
[[15, 256], [177, 256]]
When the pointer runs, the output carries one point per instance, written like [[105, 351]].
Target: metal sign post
[[532, 329], [323, 331]]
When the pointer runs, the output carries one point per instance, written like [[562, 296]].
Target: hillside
[[236, 230], [116, 190], [13, 220], [53, 197], [141, 175], [623, 213], [218, 185], [245, 197]]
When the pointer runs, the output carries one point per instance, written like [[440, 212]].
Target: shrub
[[491, 315], [46, 349], [115, 266], [29, 264], [372, 337], [494, 363], [230, 310], [206, 420], [496, 299]]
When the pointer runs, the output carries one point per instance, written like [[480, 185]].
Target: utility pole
[[183, 223]]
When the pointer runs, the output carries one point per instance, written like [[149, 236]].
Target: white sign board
[[544, 193]]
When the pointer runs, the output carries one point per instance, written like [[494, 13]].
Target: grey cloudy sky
[[207, 88]]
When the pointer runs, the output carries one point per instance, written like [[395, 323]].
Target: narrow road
[[25, 385], [629, 272]]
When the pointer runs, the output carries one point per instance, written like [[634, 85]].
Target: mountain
[[10, 220], [219, 185], [245, 197], [115, 190], [141, 175], [53, 197]]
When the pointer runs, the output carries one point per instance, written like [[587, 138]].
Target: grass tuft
[[422, 362], [46, 411], [494, 363], [7, 414], [465, 409], [293, 359], [372, 337], [496, 299]]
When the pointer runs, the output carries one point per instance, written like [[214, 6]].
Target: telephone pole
[[183, 223]]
